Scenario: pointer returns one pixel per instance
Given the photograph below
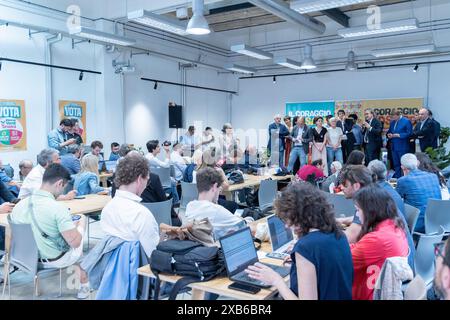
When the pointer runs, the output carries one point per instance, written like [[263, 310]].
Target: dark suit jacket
[[284, 132], [375, 140], [404, 128], [307, 136], [426, 134], [5, 194]]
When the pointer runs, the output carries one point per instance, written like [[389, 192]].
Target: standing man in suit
[[301, 137], [399, 132], [277, 133], [437, 130], [372, 130], [425, 130]]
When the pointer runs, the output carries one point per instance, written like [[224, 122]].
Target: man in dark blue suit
[[399, 132], [277, 133], [425, 130], [372, 130]]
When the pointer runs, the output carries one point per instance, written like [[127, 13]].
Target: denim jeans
[[334, 155], [173, 191], [296, 152]]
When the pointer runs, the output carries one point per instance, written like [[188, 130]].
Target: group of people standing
[[332, 138]]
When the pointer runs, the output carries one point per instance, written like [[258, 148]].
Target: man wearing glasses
[[442, 277]]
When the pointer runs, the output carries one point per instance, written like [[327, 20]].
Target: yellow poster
[[74, 110], [13, 125], [385, 108]]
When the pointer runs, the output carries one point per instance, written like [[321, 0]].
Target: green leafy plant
[[440, 156]]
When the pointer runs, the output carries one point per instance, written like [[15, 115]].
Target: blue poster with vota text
[[309, 110]]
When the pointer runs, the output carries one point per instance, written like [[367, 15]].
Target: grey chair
[[411, 215], [424, 258], [24, 255], [437, 215], [189, 193], [161, 211], [342, 207], [164, 176], [267, 193], [416, 290]]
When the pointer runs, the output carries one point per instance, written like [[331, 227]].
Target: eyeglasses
[[438, 252]]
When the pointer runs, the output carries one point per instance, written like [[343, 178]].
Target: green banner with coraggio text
[[309, 110]]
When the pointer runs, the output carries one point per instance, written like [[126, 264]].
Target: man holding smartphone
[[372, 130]]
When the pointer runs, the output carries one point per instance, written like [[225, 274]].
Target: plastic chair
[[437, 215], [411, 215], [424, 258], [416, 289], [267, 193], [189, 193], [342, 207], [162, 211], [164, 176], [24, 255]]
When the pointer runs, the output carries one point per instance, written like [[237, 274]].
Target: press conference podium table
[[220, 285]]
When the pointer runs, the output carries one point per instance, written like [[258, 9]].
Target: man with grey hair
[[71, 160], [25, 167], [34, 179], [335, 168], [416, 187], [277, 133]]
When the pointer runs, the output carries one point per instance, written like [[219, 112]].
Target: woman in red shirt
[[311, 172], [382, 236]]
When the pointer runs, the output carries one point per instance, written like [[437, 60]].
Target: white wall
[[260, 99]]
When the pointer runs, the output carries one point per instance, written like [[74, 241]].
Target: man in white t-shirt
[[124, 216], [209, 185]]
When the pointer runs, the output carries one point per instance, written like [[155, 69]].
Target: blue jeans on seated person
[[172, 190]]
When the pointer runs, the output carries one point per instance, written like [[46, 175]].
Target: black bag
[[190, 259], [257, 213], [236, 177]]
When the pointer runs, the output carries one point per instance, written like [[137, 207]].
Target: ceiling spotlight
[[156, 85], [81, 76], [308, 63], [416, 68], [198, 24], [274, 79], [351, 64]]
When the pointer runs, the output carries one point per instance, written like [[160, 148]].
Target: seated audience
[[153, 150], [10, 183], [356, 157], [96, 150], [34, 179], [311, 172], [58, 238], [115, 148], [322, 266], [25, 166], [71, 160], [332, 179], [416, 187], [124, 216], [57, 138], [425, 164], [382, 236], [176, 159], [209, 185], [88, 180], [442, 276]]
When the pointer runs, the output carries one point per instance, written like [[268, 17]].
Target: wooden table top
[[92, 203], [252, 181], [220, 285]]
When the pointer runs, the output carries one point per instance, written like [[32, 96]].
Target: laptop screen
[[279, 234], [111, 166], [239, 250], [100, 166]]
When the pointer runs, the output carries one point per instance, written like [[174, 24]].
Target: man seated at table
[[209, 186], [34, 179], [59, 239], [71, 160], [10, 183], [25, 167]]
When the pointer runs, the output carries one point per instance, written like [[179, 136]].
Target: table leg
[[198, 294]]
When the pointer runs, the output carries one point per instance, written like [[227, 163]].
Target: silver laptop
[[281, 238], [239, 251]]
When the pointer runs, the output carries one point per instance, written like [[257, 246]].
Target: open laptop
[[239, 251], [111, 166], [280, 238], [101, 166]]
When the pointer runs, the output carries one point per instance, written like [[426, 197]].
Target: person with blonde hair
[[87, 181]]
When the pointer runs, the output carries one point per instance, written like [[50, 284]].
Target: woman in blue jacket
[[87, 181]]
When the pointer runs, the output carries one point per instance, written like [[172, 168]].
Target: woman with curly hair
[[322, 266]]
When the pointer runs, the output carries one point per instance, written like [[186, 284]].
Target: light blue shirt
[[87, 183], [71, 163], [188, 140], [55, 138]]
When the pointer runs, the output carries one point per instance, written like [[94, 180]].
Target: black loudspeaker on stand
[[175, 117]]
